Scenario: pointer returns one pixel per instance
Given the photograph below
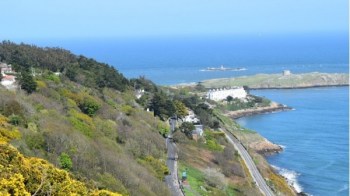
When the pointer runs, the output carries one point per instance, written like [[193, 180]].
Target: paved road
[[172, 179], [254, 172]]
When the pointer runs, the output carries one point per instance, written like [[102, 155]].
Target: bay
[[315, 137]]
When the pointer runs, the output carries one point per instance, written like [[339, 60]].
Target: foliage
[[180, 109], [211, 140], [128, 110], [156, 166], [229, 98], [27, 81], [77, 68], [89, 105], [250, 102], [7, 132], [82, 122], [65, 161], [143, 83], [187, 128], [20, 175], [15, 119], [162, 106]]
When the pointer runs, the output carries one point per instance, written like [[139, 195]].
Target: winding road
[[254, 172], [172, 179]]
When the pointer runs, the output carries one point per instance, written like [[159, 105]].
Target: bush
[[89, 105], [15, 119], [65, 161]]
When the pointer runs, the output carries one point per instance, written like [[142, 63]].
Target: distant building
[[286, 72], [5, 69], [223, 93], [8, 79], [139, 93]]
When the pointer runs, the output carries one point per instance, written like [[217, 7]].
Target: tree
[[27, 82], [89, 105], [229, 99], [187, 128], [162, 106], [65, 161], [180, 109]]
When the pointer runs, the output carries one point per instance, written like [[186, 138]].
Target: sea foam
[[291, 177]]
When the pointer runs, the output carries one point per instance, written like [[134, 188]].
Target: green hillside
[[83, 117]]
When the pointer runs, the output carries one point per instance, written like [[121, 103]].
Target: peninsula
[[285, 80]]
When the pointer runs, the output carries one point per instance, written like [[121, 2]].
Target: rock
[[265, 147]]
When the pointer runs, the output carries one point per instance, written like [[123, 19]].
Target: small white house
[[286, 72], [191, 117], [139, 93]]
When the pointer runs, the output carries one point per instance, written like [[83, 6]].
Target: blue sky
[[60, 19]]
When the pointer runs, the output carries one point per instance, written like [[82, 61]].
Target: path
[[254, 172], [172, 179]]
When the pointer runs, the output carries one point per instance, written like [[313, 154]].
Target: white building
[[8, 79], [286, 72], [223, 93], [139, 93], [191, 117]]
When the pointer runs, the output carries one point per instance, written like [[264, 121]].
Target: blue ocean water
[[315, 136], [178, 60]]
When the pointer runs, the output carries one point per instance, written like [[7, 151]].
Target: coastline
[[274, 107], [263, 146]]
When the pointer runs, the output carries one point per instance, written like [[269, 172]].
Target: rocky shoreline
[[274, 107]]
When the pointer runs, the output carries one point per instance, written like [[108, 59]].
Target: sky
[[68, 19]]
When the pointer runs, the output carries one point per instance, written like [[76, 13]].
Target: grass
[[277, 80], [195, 179]]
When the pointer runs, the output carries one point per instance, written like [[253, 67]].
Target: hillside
[[111, 141], [33, 176], [262, 81], [83, 116]]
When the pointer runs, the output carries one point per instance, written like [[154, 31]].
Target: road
[[172, 179], [254, 172]]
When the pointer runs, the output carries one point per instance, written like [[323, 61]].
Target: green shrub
[[65, 161], [89, 105], [128, 110], [15, 119], [82, 122], [155, 165]]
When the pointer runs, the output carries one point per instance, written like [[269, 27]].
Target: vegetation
[[251, 101], [280, 81], [80, 69], [187, 128], [88, 122], [94, 131], [21, 175]]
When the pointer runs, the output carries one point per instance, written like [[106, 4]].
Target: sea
[[315, 135]]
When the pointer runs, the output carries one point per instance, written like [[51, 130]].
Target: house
[[5, 69], [223, 93], [8, 79], [139, 93], [286, 72], [191, 117]]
